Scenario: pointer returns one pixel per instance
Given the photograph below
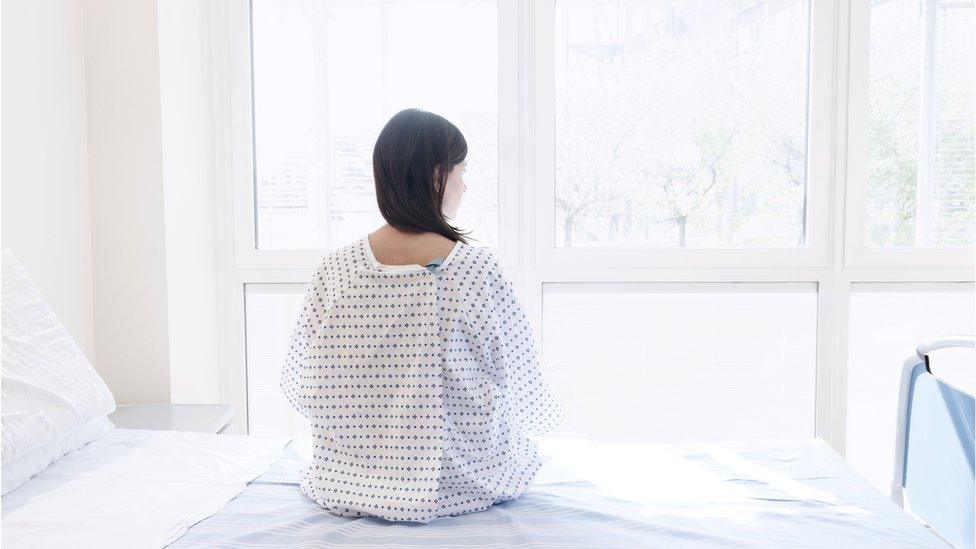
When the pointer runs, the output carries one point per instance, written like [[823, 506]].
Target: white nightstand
[[197, 418]]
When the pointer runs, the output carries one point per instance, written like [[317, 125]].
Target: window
[[921, 164], [683, 362], [708, 207], [328, 74], [681, 124], [271, 310]]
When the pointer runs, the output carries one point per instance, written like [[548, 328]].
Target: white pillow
[[48, 388], [23, 468]]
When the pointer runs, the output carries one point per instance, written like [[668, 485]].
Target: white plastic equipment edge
[[921, 352]]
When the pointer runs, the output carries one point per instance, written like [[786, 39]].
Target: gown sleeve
[[318, 299], [533, 407]]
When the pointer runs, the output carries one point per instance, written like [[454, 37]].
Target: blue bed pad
[[588, 494]]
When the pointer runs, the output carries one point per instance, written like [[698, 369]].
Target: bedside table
[[197, 418]]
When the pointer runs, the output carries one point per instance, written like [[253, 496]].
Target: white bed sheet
[[133, 489], [755, 494]]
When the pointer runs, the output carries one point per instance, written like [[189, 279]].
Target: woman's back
[[422, 385]]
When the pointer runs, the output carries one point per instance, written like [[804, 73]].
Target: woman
[[411, 357]]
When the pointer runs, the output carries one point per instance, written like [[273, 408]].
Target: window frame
[[526, 189]]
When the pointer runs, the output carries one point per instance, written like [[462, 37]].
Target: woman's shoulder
[[486, 292], [341, 263], [479, 270], [477, 261]]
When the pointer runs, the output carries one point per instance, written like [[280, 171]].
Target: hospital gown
[[422, 386]]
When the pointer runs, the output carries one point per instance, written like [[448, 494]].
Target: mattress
[[590, 494], [133, 489]]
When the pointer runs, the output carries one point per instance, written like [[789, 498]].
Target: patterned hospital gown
[[422, 386]]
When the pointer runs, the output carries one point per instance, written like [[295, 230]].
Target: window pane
[[681, 123], [888, 321], [327, 77], [921, 118], [270, 312], [675, 362]]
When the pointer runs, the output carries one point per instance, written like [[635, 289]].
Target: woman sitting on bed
[[411, 357]]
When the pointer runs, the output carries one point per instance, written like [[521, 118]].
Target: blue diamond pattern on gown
[[422, 386]]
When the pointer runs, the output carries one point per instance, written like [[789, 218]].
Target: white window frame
[[526, 188], [858, 253]]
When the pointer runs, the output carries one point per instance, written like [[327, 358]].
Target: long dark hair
[[409, 148]]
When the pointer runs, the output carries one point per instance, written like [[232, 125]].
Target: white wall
[[125, 168], [45, 211], [108, 194], [188, 190]]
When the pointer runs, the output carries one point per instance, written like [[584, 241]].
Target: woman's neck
[[391, 246]]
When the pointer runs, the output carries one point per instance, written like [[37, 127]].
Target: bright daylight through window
[[318, 109], [681, 124], [921, 133]]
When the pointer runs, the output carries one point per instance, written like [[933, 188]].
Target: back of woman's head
[[413, 147]]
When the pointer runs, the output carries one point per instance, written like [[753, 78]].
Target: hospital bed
[[593, 495], [769, 493]]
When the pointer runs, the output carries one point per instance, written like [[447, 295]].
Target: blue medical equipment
[[934, 457]]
